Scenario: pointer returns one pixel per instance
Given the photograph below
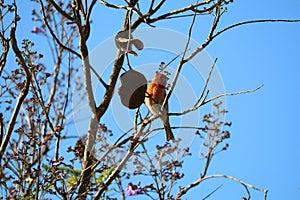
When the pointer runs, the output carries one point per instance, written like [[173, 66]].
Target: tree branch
[[183, 10], [98, 112], [54, 35], [256, 21], [60, 10], [24, 90], [133, 146], [200, 180], [181, 63], [207, 196], [5, 50], [213, 36], [231, 94]]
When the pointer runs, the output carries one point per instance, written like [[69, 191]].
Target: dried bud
[[124, 41]]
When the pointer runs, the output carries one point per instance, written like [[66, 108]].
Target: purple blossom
[[133, 190], [37, 30]]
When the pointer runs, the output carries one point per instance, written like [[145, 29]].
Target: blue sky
[[264, 136]]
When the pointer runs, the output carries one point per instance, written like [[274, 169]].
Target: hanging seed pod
[[124, 42], [133, 88]]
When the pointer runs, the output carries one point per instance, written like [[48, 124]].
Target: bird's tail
[[169, 133]]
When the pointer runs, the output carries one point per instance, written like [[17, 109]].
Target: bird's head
[[160, 79]]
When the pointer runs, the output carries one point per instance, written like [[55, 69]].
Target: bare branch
[[146, 18], [88, 14], [254, 22], [1, 128], [213, 36], [192, 8], [54, 35], [112, 5], [99, 77], [181, 63], [206, 82], [210, 35], [204, 101], [98, 112], [197, 104], [207, 196], [200, 180], [232, 94], [61, 11], [55, 78], [24, 91], [134, 144], [5, 49]]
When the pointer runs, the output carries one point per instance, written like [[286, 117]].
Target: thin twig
[[133, 146], [55, 79], [211, 32], [38, 93], [204, 101], [248, 192], [5, 50], [135, 124], [99, 77], [54, 35], [61, 11], [1, 128], [181, 63], [146, 17], [212, 192], [208, 41], [89, 12], [187, 15], [254, 22], [206, 82], [232, 94], [155, 178], [105, 3], [183, 10]]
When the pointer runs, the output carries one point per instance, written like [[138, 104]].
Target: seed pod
[[124, 42], [133, 88]]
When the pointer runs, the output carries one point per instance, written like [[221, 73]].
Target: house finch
[[155, 96]]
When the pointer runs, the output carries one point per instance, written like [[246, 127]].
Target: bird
[[154, 98]]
